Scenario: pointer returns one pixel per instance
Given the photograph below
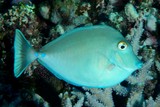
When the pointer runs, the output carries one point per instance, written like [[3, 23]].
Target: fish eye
[[122, 45]]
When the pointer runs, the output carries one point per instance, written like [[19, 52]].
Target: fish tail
[[24, 54]]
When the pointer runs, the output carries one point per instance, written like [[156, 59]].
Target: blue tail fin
[[24, 54]]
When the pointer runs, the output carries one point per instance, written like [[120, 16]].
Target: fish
[[92, 56]]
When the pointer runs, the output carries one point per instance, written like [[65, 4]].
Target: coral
[[92, 97], [44, 11], [22, 14], [62, 11], [116, 19], [20, 1], [131, 12], [151, 23]]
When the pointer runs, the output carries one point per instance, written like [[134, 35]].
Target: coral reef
[[42, 21]]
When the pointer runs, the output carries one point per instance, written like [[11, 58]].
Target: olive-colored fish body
[[96, 56]]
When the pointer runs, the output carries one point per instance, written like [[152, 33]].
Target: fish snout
[[139, 65]]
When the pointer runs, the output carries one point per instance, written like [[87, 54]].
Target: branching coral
[[19, 15]]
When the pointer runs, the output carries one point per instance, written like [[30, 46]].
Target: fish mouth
[[135, 66], [139, 64], [126, 63]]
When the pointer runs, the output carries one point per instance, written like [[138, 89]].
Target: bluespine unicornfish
[[94, 56]]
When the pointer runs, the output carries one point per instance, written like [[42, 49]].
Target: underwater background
[[42, 21]]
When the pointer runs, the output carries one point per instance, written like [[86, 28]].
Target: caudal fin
[[24, 54]]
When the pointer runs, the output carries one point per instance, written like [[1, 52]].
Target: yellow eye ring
[[122, 45]]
